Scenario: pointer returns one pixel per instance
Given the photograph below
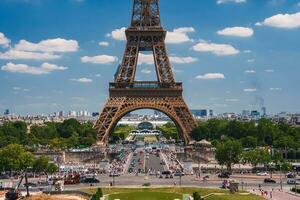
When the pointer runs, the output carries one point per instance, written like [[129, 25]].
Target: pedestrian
[[271, 195]]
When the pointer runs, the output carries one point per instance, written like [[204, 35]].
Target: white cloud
[[217, 49], [286, 21], [298, 4], [237, 32], [250, 71], [4, 41], [209, 76], [148, 59], [21, 89], [269, 70], [45, 68], [250, 90], [247, 51], [182, 60], [179, 35], [146, 71], [275, 89], [100, 59], [26, 55], [82, 80], [251, 60], [232, 100], [50, 45], [118, 34], [104, 44], [231, 1], [98, 75]]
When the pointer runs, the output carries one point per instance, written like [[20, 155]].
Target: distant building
[[95, 114], [264, 111], [255, 114], [202, 113], [72, 114], [246, 113], [6, 112], [61, 113]]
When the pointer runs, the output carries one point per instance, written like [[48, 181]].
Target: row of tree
[[68, 134], [14, 158], [251, 134], [229, 152]]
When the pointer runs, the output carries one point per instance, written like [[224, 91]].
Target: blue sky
[[230, 54]]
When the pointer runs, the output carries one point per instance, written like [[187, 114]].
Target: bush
[[98, 194], [196, 196], [146, 184], [296, 190]]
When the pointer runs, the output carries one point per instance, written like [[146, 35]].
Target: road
[[153, 163], [137, 163]]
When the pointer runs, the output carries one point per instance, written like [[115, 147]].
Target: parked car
[[224, 175], [179, 174], [30, 185], [269, 180], [291, 175], [4, 176], [91, 180], [292, 182], [262, 174]]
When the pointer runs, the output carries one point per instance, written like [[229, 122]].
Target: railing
[[146, 85]]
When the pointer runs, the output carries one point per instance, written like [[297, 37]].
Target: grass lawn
[[234, 197], [175, 190], [169, 193], [150, 138], [145, 196]]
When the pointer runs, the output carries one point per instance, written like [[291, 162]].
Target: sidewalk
[[277, 195]]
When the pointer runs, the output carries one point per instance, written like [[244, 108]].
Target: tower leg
[[116, 107]]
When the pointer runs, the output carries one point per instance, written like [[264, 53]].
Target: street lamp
[[280, 177]]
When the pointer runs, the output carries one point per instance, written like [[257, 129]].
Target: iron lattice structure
[[127, 95]]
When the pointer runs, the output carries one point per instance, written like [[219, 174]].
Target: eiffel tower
[[126, 95]]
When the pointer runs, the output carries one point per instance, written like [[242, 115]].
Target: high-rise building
[[6, 112], [202, 113], [61, 113], [246, 113], [255, 114], [264, 111], [72, 114], [95, 114]]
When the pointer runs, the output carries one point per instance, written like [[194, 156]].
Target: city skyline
[[59, 58]]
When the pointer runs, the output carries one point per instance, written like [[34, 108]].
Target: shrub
[[146, 184], [196, 196], [296, 190]]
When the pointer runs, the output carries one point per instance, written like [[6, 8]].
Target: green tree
[[228, 153], [249, 142], [196, 196], [257, 156], [51, 168], [169, 130], [40, 164], [14, 158], [200, 132]]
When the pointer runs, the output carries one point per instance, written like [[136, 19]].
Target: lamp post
[[280, 177]]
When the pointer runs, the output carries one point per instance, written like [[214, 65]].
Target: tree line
[[56, 136], [262, 133], [14, 158]]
